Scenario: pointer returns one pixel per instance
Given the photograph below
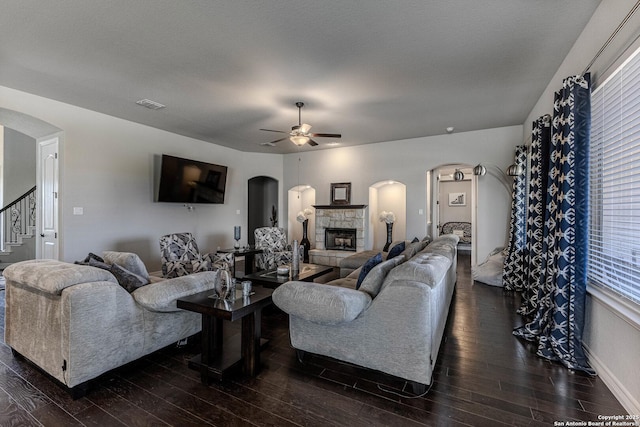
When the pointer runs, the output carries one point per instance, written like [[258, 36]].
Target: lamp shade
[[458, 175], [480, 170], [299, 140], [514, 170]]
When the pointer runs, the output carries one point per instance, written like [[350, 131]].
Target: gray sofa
[[351, 263], [393, 323], [76, 322]]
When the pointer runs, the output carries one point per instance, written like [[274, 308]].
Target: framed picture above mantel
[[341, 193]]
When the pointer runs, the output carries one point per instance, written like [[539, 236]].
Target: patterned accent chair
[[275, 250], [180, 256], [460, 229]]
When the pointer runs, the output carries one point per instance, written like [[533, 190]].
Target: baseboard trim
[[630, 404]]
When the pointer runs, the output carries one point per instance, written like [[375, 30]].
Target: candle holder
[[236, 236]]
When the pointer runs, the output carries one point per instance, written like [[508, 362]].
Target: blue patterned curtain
[[539, 170], [513, 276], [559, 319]]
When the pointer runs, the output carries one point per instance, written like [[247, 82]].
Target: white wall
[[107, 166], [20, 168], [610, 338], [408, 161], [455, 213]]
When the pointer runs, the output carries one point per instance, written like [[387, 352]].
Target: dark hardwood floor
[[484, 377]]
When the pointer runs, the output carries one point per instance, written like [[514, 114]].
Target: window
[[614, 229]]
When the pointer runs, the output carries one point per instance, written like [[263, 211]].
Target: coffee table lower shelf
[[226, 363]]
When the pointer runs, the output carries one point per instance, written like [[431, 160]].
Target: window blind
[[614, 229]]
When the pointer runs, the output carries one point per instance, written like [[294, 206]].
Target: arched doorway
[[49, 141], [452, 202], [262, 209]]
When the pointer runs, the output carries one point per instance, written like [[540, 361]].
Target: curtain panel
[[559, 318], [513, 274], [539, 170]]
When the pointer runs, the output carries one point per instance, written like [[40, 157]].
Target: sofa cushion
[[128, 260], [53, 276], [444, 245], [374, 280], [366, 268], [162, 296], [396, 250], [320, 303], [426, 267], [412, 249]]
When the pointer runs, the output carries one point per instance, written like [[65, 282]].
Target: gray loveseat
[[76, 322], [393, 323]]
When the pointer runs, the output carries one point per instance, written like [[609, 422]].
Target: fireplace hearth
[[340, 239]]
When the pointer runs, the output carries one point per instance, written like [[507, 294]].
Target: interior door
[[48, 199]]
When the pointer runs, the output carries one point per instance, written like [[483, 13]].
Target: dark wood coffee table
[[271, 279], [219, 357]]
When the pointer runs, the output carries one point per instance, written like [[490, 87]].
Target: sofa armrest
[[51, 277], [162, 296], [320, 303]]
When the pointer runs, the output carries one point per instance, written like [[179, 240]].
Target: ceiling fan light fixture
[[299, 140], [304, 128]]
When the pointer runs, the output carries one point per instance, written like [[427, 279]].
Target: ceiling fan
[[299, 133]]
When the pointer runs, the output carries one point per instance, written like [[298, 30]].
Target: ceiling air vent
[[152, 105]]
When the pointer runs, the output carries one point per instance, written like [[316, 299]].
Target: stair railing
[[18, 219]]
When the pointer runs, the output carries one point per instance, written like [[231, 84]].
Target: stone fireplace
[[346, 225]]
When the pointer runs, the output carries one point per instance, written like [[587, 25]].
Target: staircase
[[17, 229]]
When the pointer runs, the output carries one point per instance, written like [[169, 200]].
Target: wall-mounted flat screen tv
[[191, 181]]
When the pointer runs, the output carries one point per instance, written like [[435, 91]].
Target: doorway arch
[[44, 133], [262, 205], [440, 185]]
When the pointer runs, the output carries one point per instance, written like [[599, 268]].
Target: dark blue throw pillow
[[396, 250], [366, 268]]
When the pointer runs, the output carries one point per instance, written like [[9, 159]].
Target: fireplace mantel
[[340, 206]]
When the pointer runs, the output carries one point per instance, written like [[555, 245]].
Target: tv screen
[[191, 181]]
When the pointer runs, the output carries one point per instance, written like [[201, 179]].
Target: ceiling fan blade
[[272, 143], [326, 135], [312, 143], [271, 130]]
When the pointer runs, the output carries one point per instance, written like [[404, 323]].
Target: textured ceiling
[[373, 71]]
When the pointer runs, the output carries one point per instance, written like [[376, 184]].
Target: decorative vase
[[389, 236], [306, 244], [295, 262], [236, 236]]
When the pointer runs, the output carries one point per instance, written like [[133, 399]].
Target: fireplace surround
[[351, 217]]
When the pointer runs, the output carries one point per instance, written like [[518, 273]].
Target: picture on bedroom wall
[[457, 199]]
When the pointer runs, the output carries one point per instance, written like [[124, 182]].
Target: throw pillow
[[89, 258], [128, 260], [396, 250], [99, 263], [366, 268], [415, 240], [128, 280]]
